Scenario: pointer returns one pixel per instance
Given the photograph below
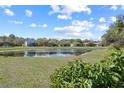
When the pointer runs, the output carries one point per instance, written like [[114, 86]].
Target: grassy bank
[[95, 56], [35, 72], [27, 72]]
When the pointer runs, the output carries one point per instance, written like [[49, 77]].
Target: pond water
[[48, 53]]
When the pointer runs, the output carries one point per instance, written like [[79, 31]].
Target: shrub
[[78, 74]]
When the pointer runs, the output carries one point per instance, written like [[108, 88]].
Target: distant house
[[76, 44], [72, 45], [97, 43], [26, 43], [52, 44], [65, 44], [86, 43], [30, 42]]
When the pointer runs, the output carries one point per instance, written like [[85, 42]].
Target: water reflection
[[53, 53]]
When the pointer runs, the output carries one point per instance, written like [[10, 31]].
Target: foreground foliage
[[108, 73]]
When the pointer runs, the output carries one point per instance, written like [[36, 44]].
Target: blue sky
[[53, 21]]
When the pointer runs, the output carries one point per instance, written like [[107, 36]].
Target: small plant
[[78, 74]]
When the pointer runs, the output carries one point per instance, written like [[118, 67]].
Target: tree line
[[115, 34], [13, 40]]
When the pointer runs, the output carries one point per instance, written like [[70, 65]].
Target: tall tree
[[115, 33]]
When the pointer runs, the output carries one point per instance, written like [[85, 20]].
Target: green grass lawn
[[27, 72], [35, 72], [95, 56]]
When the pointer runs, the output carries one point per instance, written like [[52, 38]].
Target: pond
[[48, 53]]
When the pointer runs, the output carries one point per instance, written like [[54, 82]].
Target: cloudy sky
[[84, 22]]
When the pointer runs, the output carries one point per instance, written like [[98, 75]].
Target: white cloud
[[113, 7], [77, 26], [102, 27], [63, 17], [81, 35], [113, 19], [76, 8], [15, 22], [69, 29], [28, 13], [102, 19], [76, 29], [66, 11], [91, 18], [85, 25], [55, 9], [44, 25], [34, 25], [8, 12]]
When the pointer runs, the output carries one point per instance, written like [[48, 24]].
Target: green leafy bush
[[77, 74]]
